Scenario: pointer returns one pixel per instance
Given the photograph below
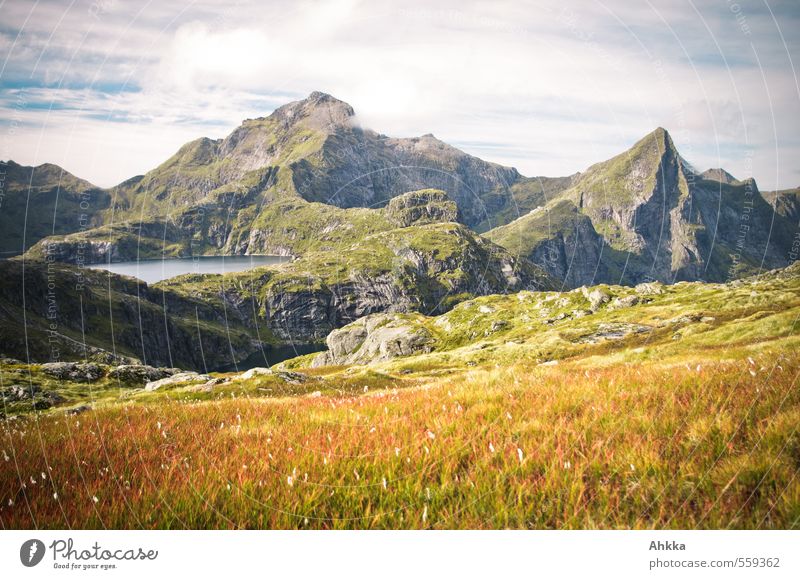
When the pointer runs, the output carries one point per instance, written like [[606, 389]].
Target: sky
[[109, 89]]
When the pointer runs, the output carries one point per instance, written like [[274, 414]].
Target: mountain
[[646, 215], [226, 195], [304, 179], [44, 200]]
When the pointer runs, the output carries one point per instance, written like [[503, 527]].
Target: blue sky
[[109, 89]]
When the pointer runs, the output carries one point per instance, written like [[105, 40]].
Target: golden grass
[[626, 445]]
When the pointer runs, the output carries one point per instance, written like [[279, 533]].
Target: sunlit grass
[[642, 445]]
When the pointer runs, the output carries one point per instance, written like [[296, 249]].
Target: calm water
[[153, 270], [269, 356]]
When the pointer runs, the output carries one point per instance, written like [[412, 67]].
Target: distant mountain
[[44, 200], [301, 179], [720, 175], [786, 204], [645, 215]]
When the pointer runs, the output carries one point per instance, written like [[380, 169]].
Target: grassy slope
[[650, 431]]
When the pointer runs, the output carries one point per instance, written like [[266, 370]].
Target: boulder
[[624, 302], [252, 373], [597, 298], [374, 338], [179, 378], [649, 289]]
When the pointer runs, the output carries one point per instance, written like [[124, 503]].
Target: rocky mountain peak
[[720, 175], [318, 111]]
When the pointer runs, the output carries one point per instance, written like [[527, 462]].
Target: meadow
[[582, 444]]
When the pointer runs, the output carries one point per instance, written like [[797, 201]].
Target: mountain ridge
[[645, 213]]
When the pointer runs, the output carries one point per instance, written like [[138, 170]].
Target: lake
[[154, 270]]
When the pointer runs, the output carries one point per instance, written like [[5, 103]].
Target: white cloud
[[549, 89]]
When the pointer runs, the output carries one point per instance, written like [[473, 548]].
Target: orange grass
[[641, 446]]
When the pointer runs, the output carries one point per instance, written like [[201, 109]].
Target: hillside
[[44, 200], [409, 256], [674, 411]]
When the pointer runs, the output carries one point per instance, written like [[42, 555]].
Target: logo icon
[[31, 553]]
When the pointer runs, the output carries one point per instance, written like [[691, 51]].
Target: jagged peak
[[719, 174]]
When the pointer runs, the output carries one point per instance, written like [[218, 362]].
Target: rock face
[[374, 338], [646, 215]]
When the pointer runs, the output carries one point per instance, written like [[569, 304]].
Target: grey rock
[[140, 373], [614, 331], [74, 371], [252, 373], [372, 339], [180, 378], [597, 298], [649, 289], [624, 302]]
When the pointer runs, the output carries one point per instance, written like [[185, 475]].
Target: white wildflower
[[290, 481], [383, 480], [425, 514], [95, 499], [431, 435], [491, 448], [567, 464], [520, 455]]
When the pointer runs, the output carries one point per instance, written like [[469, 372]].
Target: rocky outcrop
[[74, 372], [372, 339], [421, 208], [140, 373], [426, 268]]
